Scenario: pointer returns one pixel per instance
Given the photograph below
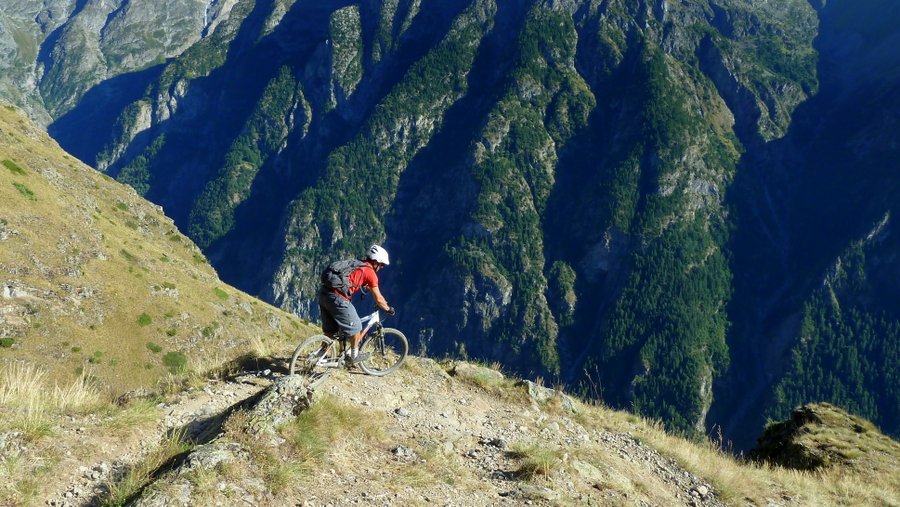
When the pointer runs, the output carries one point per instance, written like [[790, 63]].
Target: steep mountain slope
[[53, 52], [625, 197], [815, 238], [97, 282]]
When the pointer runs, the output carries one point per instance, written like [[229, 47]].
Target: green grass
[[175, 362], [14, 168], [112, 319], [156, 349], [144, 320], [25, 191], [221, 294], [318, 428]]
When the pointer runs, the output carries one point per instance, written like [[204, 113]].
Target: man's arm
[[379, 299]]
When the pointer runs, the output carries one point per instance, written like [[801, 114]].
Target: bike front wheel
[[387, 351], [315, 358]]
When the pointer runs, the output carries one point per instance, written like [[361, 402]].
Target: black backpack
[[337, 275]]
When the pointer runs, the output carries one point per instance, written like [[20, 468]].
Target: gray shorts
[[338, 314]]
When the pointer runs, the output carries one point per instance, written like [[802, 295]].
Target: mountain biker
[[337, 310]]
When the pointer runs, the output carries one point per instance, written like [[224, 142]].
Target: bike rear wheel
[[387, 350], [315, 358]]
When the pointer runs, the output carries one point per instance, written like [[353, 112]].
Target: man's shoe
[[361, 358]]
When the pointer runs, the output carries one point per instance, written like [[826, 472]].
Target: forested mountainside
[[686, 208]]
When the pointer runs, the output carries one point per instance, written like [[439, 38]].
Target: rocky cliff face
[[621, 196], [55, 52]]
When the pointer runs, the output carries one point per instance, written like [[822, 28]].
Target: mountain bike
[[319, 355]]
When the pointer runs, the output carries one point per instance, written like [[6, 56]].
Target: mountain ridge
[[96, 413], [640, 193]]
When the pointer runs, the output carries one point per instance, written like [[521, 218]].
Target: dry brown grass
[[137, 280], [737, 482], [535, 459], [32, 404], [740, 482]]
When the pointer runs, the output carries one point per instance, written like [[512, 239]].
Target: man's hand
[[391, 310]]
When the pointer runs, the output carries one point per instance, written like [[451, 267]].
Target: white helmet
[[379, 255]]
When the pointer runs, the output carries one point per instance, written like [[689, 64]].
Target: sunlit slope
[[94, 278]]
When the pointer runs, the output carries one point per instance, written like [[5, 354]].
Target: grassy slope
[[99, 295], [97, 274]]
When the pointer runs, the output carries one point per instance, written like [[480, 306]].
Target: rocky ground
[[447, 434], [193, 413]]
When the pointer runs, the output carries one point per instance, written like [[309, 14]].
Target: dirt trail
[[445, 439], [193, 413]]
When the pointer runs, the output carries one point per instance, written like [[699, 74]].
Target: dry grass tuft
[[490, 379], [535, 460], [33, 404], [739, 482], [326, 424]]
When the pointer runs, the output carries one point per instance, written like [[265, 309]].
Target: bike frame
[[372, 319], [369, 321]]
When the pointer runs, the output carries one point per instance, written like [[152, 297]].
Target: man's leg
[[354, 343], [329, 324], [345, 318]]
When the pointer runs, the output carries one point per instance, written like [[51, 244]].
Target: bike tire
[[387, 359], [315, 358]]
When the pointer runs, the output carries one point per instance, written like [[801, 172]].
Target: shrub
[[14, 168], [25, 191], [144, 320], [156, 349], [7, 342], [171, 332], [175, 362]]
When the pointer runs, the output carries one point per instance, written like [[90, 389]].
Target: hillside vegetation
[[102, 299], [101, 294]]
